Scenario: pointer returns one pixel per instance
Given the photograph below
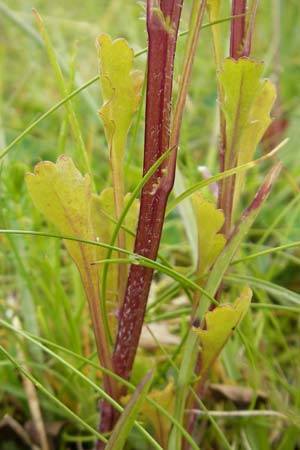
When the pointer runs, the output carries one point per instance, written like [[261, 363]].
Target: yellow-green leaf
[[103, 213], [213, 7], [209, 221], [219, 325], [259, 121], [213, 10], [64, 196], [149, 413], [246, 104], [104, 221], [121, 88]]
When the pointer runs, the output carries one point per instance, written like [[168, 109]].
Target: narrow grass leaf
[[267, 251], [52, 397], [82, 156], [221, 176], [126, 421], [213, 10], [282, 294], [36, 340], [47, 114], [213, 282]]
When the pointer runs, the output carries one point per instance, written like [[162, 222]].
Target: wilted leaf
[[275, 132], [209, 221], [241, 395], [154, 332], [219, 325], [121, 88], [246, 105]]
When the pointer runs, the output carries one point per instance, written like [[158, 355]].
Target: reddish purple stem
[[237, 37], [162, 36], [237, 50]]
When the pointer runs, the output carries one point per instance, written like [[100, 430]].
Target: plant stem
[[240, 46], [237, 38], [216, 275], [196, 18], [195, 25], [250, 28], [237, 28], [118, 186], [162, 25]]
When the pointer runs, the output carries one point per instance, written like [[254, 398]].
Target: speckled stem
[[162, 25]]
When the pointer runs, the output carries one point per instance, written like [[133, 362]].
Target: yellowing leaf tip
[[104, 41]]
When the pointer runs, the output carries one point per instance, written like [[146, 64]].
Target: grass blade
[[45, 391], [126, 421], [213, 282]]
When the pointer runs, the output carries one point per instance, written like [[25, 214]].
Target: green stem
[[186, 371]]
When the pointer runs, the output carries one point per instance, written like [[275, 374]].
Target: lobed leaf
[[209, 221], [246, 105], [64, 197], [215, 278], [121, 87], [219, 325]]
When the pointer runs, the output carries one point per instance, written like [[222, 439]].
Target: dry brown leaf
[[241, 395], [161, 333]]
